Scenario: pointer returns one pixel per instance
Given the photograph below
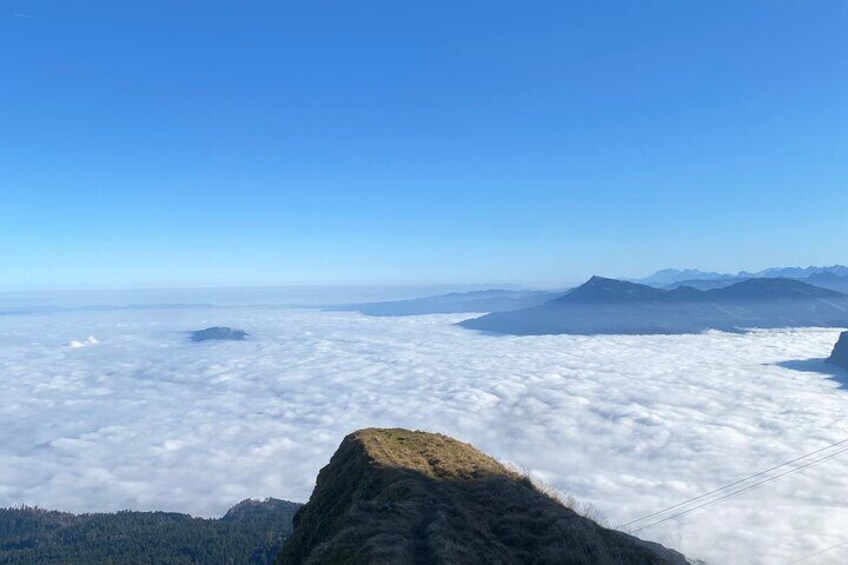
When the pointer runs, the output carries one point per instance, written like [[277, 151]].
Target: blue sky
[[236, 143]]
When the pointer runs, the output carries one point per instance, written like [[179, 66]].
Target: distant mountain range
[[833, 278], [822, 280], [671, 276], [609, 306], [797, 272], [495, 300], [506, 300], [679, 276]]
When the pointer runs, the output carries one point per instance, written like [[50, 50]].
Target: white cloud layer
[[149, 420]]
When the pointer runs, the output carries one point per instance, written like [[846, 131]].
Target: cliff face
[[397, 496], [840, 352]]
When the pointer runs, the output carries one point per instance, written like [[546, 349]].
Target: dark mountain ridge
[[839, 357], [403, 497], [771, 289], [599, 289], [609, 306], [825, 279]]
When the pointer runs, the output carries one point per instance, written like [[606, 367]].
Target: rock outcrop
[[840, 352], [398, 496]]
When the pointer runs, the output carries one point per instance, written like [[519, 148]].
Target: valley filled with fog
[[107, 410]]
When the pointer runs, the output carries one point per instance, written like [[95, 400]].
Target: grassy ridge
[[404, 497]]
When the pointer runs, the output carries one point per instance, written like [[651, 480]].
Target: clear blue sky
[[182, 142]]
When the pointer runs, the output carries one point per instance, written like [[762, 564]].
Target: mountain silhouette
[[609, 306], [839, 356], [772, 289], [493, 300], [603, 290]]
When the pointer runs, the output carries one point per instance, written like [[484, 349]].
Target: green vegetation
[[251, 532], [435, 455]]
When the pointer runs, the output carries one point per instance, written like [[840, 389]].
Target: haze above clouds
[[142, 418]]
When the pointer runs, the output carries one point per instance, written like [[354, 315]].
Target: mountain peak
[[600, 290], [401, 496]]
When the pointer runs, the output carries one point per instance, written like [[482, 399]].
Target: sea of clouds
[[107, 410]]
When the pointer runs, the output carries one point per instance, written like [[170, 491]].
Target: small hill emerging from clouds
[[609, 306], [403, 497], [218, 333], [252, 532], [839, 356]]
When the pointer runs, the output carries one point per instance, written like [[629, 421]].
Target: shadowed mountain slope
[[403, 497], [839, 356], [829, 280], [608, 306], [825, 280], [772, 289]]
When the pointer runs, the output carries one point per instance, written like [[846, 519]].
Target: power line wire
[[816, 554], [735, 483], [742, 490]]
